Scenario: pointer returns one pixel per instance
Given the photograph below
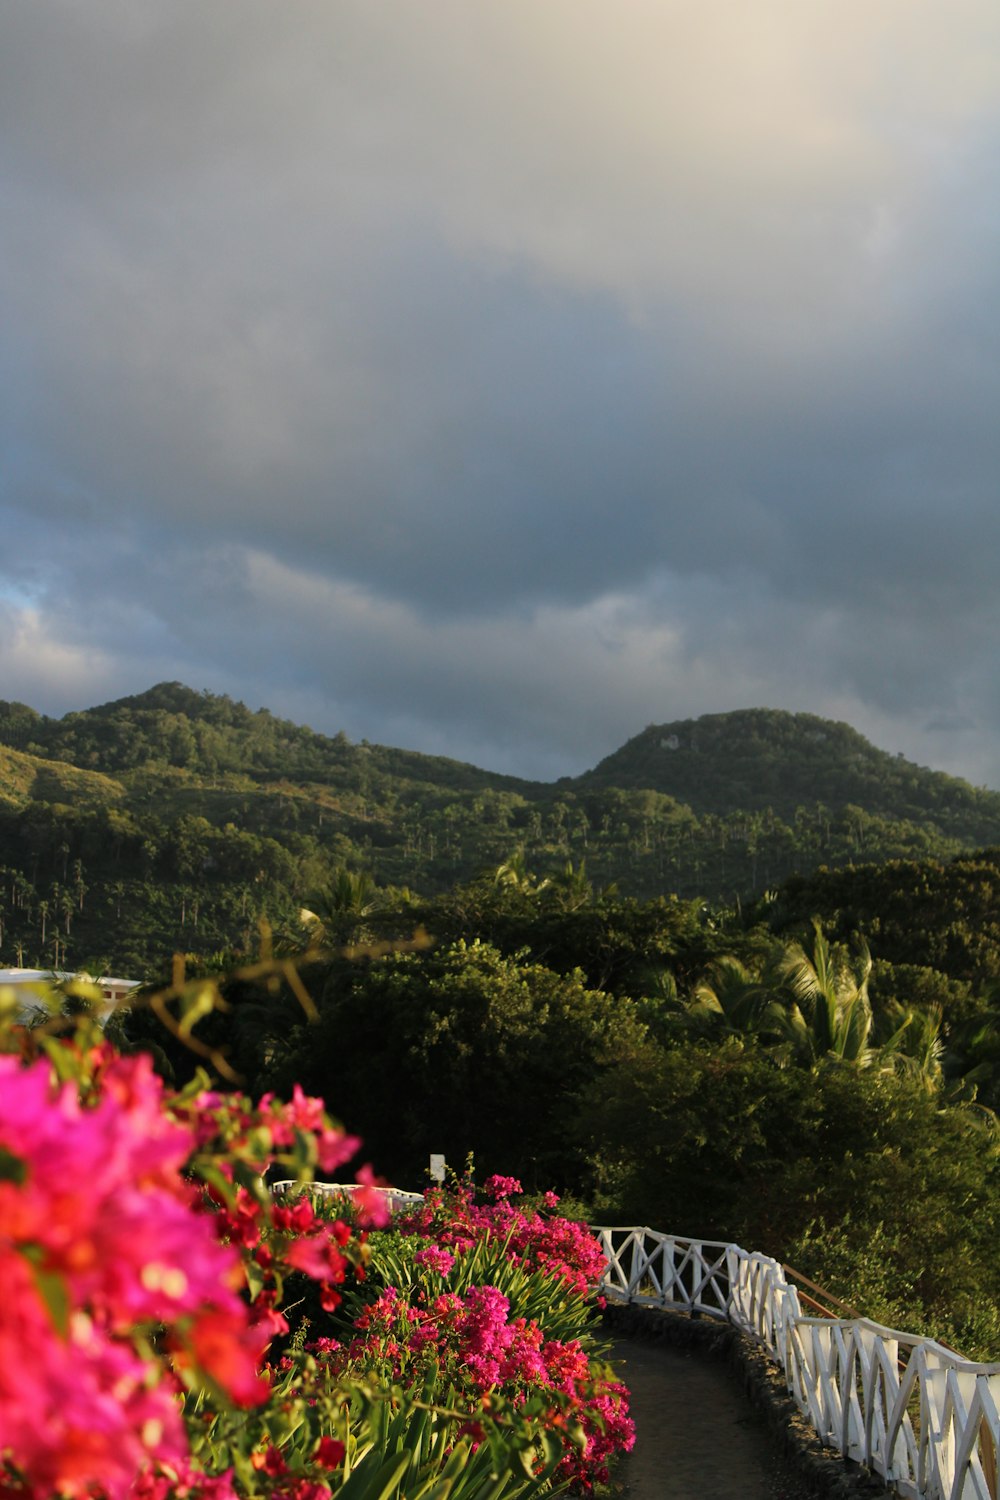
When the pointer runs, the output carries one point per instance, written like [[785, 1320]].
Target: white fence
[[917, 1414], [395, 1196]]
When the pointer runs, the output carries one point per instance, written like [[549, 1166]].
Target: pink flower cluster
[[563, 1247], [126, 1284], [435, 1258], [101, 1237], [501, 1187], [471, 1331], [142, 1258], [230, 1121], [479, 1348]]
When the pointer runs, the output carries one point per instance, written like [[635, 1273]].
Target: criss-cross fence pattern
[[916, 1413]]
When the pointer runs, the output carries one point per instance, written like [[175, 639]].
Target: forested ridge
[[176, 819]]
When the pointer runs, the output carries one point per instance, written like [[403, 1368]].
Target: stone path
[[697, 1436]]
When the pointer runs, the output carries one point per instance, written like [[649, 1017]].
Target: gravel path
[[697, 1437]]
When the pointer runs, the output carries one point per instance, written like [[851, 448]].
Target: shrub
[[154, 1279]]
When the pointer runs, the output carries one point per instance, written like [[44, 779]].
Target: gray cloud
[[496, 379]]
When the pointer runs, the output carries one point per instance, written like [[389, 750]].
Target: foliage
[[816, 1167], [553, 1019], [148, 1269], [942, 917], [175, 820], [420, 1041]]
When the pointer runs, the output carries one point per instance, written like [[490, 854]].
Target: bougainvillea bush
[[498, 1301], [156, 1338]]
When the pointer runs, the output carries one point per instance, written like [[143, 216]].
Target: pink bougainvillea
[[435, 1258], [101, 1237], [480, 1348], [105, 1239], [471, 1335], [144, 1267], [453, 1218]]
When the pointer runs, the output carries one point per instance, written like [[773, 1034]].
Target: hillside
[[32, 778], [211, 735], [761, 758], [175, 819]]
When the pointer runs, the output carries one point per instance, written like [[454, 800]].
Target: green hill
[[186, 816], [211, 735], [760, 758]]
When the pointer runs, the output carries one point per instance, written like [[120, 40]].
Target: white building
[[29, 984]]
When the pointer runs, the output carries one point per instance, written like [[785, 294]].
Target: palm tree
[[830, 1013], [335, 913], [732, 999], [570, 888], [514, 876]]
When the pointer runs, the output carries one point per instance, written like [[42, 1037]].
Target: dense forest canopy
[[728, 1080], [176, 819]]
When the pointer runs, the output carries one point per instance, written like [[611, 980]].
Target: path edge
[[823, 1472]]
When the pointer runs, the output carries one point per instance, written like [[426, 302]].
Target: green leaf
[[255, 1278], [52, 1290], [12, 1168], [369, 1483], [213, 1177], [250, 1179], [199, 1083]]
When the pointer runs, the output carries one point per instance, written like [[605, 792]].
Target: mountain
[[761, 758], [176, 819], [210, 734]]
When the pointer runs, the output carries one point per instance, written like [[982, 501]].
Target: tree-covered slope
[[761, 758], [186, 816], [209, 735]]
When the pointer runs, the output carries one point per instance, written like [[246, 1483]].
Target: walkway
[[697, 1436]]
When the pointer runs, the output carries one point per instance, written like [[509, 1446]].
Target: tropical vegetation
[[679, 990], [175, 820], [193, 1334]]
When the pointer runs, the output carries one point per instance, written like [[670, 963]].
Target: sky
[[494, 378]]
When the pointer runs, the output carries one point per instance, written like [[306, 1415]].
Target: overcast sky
[[496, 377]]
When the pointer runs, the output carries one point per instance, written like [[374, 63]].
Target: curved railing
[[919, 1415]]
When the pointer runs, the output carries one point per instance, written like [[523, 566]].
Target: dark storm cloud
[[497, 379]]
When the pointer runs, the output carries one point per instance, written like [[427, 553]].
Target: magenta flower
[[372, 1206], [100, 1234], [501, 1187], [435, 1258]]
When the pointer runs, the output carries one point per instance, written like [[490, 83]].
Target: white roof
[[57, 976]]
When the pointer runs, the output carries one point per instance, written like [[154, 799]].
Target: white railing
[[919, 1415], [396, 1197]]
